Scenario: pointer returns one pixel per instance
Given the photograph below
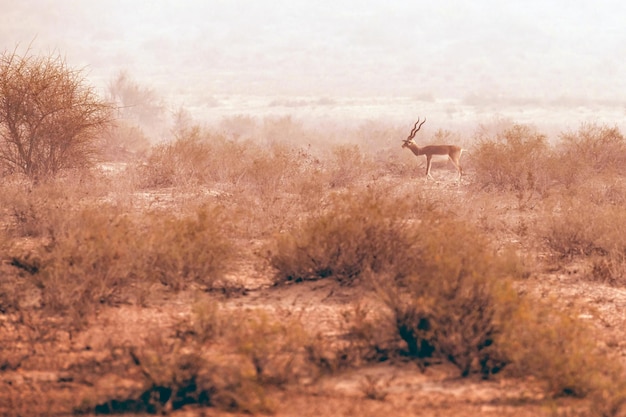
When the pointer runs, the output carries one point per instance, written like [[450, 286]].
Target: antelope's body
[[453, 152]]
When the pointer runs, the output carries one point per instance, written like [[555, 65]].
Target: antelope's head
[[409, 140]]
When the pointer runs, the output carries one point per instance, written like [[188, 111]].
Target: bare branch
[[49, 117]]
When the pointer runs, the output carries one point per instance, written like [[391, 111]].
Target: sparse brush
[[454, 303], [558, 349], [181, 162], [103, 256], [178, 251], [207, 323], [590, 161], [459, 305], [348, 165], [203, 158], [34, 210], [447, 292], [592, 150], [516, 159], [375, 389], [598, 233], [223, 359], [196, 157], [427, 286], [365, 337], [177, 375], [577, 232], [269, 173], [273, 346], [87, 263], [357, 232]]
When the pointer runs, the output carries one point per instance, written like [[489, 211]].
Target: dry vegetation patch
[[379, 292]]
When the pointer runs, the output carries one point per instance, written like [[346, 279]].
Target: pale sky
[[490, 49]]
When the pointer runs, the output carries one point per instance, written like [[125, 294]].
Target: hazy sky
[[326, 48]]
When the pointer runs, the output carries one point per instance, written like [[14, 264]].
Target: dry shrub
[[455, 301], [560, 350], [603, 189], [238, 126], [270, 171], [365, 337], [282, 129], [181, 162], [201, 157], [189, 249], [598, 233], [207, 323], [34, 210], [357, 232], [369, 233], [230, 160], [592, 150], [31, 214], [174, 382], [103, 256], [86, 264], [347, 165], [49, 116], [578, 231], [273, 347], [390, 163], [197, 157], [176, 375], [611, 268], [123, 142], [277, 184], [218, 358], [514, 160], [459, 305], [449, 295]]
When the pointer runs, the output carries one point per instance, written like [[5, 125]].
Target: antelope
[[453, 152]]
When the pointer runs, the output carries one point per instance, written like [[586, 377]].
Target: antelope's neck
[[415, 149]]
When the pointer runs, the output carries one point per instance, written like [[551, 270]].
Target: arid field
[[281, 273]]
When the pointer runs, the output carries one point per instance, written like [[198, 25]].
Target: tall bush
[[49, 116], [456, 299], [355, 233], [590, 152], [513, 160]]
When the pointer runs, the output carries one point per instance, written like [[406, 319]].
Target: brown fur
[[453, 152]]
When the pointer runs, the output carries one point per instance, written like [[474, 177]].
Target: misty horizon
[[445, 56]]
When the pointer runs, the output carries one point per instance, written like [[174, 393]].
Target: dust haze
[[248, 236], [545, 63]]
